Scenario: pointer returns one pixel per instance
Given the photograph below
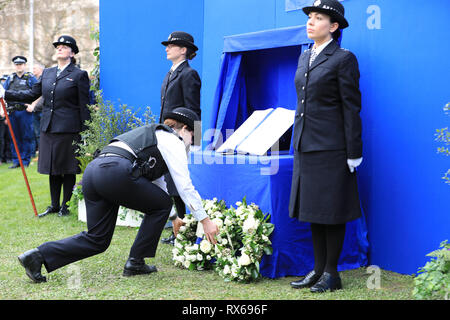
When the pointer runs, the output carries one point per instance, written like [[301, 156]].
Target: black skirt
[[57, 153], [323, 189]]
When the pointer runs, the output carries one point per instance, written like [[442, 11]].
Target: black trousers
[[107, 184]]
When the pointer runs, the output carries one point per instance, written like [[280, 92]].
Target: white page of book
[[244, 130], [268, 132]]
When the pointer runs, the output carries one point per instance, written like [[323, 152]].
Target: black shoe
[[15, 165], [63, 211], [169, 240], [327, 282], [135, 267], [50, 209], [32, 261], [308, 281]]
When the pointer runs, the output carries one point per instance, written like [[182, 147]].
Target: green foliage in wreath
[[242, 241]]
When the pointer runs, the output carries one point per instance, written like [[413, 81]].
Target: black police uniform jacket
[[181, 89], [327, 119], [65, 99], [64, 111]]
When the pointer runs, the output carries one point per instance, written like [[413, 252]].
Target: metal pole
[[18, 154], [31, 39]]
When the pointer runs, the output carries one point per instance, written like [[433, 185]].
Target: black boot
[[134, 267], [169, 240], [327, 282], [50, 209], [32, 261], [308, 281], [64, 211]]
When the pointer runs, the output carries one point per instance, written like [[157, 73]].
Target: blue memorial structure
[[248, 52]]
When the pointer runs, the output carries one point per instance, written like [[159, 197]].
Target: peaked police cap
[[181, 38], [68, 41], [333, 8]]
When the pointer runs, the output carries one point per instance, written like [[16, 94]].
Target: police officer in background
[[130, 172], [180, 88], [65, 92], [21, 119], [5, 140]]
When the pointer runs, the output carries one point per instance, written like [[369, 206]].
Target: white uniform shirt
[[174, 154]]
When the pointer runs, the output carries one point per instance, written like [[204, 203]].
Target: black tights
[[327, 242], [66, 181]]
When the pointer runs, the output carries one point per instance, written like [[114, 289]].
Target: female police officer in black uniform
[[327, 142], [129, 172], [180, 87], [65, 90]]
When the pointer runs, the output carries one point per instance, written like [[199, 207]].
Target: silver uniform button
[[301, 114]]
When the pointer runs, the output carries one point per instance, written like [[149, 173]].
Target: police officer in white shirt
[[130, 172]]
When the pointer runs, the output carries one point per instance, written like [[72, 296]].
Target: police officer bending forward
[[129, 172]]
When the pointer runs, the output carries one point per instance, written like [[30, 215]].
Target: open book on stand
[[259, 132]]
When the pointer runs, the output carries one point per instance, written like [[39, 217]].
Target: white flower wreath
[[242, 241]]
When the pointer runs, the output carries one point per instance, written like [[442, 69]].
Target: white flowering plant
[[191, 251], [242, 240]]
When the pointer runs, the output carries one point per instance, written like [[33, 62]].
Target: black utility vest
[[143, 142], [18, 84]]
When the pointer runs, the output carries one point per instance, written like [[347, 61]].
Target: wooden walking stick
[[18, 154]]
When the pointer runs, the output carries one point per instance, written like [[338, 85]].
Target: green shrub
[[433, 280], [443, 135]]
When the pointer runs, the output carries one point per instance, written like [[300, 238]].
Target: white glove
[[2, 91], [353, 163]]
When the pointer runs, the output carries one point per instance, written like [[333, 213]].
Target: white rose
[[250, 225], [228, 221], [218, 222], [208, 257], [182, 229], [238, 203], [187, 263], [205, 246], [224, 241], [239, 211], [199, 257], [226, 269], [192, 257], [244, 260]]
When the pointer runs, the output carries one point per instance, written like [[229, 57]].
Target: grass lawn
[[100, 277]]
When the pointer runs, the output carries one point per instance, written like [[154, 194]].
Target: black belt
[[117, 151]]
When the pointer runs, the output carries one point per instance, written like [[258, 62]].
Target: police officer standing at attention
[[65, 90], [130, 172], [327, 143], [180, 88], [21, 120]]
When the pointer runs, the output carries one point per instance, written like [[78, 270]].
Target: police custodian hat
[[68, 41], [330, 7], [184, 115], [181, 38], [19, 59]]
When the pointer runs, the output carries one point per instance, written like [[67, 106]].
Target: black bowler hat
[[181, 38], [19, 59], [184, 115], [333, 8], [68, 41]]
